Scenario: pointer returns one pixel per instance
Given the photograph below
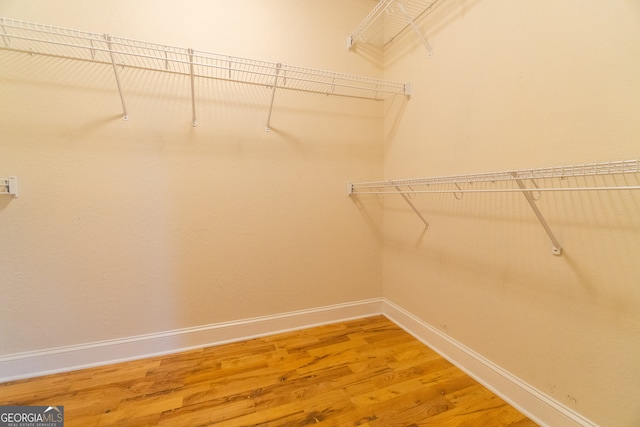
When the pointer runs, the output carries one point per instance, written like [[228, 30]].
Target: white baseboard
[[65, 359], [536, 405]]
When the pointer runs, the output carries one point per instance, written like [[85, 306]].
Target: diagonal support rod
[[125, 115], [273, 95], [415, 29], [556, 249], [406, 199], [194, 121]]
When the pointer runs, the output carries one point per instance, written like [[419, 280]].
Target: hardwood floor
[[365, 372]]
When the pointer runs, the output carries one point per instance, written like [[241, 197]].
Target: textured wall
[[148, 225], [521, 85]]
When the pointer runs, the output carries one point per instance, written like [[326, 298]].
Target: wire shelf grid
[[419, 185], [388, 19], [408, 188]]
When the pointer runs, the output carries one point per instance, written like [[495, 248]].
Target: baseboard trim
[[64, 359], [539, 407]]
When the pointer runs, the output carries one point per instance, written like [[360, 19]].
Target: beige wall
[[511, 85], [149, 225], [125, 228]]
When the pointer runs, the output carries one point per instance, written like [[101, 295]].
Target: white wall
[[515, 85], [134, 227]]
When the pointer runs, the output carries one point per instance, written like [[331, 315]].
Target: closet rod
[[48, 40]]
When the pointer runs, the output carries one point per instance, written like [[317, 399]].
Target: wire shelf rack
[[48, 40], [421, 185], [458, 185], [388, 19]]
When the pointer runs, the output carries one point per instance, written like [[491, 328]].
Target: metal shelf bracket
[[194, 120], [125, 115], [417, 212], [556, 248], [415, 29], [9, 186], [273, 95]]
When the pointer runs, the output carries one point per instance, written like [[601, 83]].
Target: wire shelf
[[388, 19], [456, 185], [85, 46], [418, 185]]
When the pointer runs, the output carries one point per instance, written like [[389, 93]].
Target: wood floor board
[[364, 372]]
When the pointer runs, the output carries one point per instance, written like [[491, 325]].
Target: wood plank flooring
[[365, 372]]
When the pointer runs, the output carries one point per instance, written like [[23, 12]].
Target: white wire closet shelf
[[120, 52], [387, 20], [421, 185], [461, 184]]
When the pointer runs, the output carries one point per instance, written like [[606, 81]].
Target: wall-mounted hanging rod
[[456, 185], [388, 19], [9, 186], [53, 41]]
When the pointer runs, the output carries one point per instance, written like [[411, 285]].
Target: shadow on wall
[[5, 200], [430, 23], [495, 240], [366, 206], [393, 113]]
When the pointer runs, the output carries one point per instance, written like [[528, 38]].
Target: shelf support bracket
[[194, 121], [125, 115], [415, 29], [273, 95], [406, 198], [11, 186], [556, 248], [417, 212]]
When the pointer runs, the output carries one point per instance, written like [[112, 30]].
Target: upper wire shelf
[[388, 19], [73, 44], [48, 40]]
